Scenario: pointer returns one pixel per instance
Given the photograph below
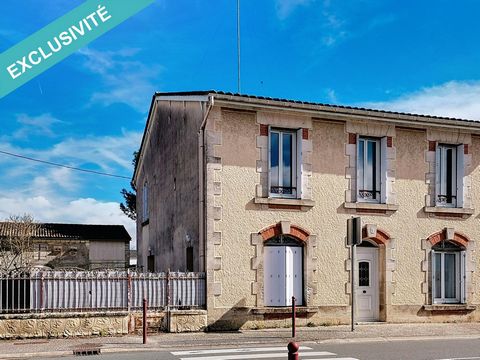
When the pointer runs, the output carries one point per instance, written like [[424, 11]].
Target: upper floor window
[[369, 182], [449, 175], [283, 163], [145, 202], [448, 273]]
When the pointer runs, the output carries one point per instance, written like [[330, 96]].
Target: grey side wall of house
[[170, 168]]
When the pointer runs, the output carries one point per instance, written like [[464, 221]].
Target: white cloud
[[40, 125], [458, 99], [124, 80], [107, 152], [55, 194], [286, 7], [79, 211], [331, 96], [333, 38]]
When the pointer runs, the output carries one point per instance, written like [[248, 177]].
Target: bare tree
[[16, 243]]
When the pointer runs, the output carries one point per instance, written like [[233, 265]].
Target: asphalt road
[[455, 349]]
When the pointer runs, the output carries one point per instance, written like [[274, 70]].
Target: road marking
[[234, 350], [343, 358], [258, 356], [463, 358]]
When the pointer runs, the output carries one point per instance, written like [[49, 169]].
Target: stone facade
[[239, 215]]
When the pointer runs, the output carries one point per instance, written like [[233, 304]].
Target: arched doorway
[[374, 265], [283, 270], [367, 281]]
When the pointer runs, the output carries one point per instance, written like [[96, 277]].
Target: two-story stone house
[[256, 192]]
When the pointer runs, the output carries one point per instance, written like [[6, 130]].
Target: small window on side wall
[[145, 202], [449, 175], [284, 163]]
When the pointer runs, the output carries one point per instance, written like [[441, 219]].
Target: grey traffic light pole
[[354, 237], [352, 272]]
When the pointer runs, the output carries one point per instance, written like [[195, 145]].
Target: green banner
[[56, 41]]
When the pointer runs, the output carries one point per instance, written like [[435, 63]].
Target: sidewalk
[[162, 341]]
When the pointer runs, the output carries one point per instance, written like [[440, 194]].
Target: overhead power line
[[62, 165]]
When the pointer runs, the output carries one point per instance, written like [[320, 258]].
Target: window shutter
[[383, 171], [463, 293], [268, 161], [288, 293], [358, 169], [437, 173], [432, 266], [299, 163], [460, 174]]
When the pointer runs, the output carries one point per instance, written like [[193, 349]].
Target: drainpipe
[[201, 186]]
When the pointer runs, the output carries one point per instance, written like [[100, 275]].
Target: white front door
[[283, 275], [366, 282]]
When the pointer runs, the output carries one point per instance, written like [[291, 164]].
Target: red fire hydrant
[[292, 350]]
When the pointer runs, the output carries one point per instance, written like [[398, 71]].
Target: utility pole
[[238, 47]]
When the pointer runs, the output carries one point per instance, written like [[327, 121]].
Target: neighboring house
[[89, 247], [256, 192], [133, 259]]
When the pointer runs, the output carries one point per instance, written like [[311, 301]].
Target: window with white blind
[[448, 274], [371, 170], [284, 163]]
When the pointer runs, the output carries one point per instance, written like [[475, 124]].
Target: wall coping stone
[[285, 310]]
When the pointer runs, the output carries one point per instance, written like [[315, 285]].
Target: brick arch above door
[[284, 228], [381, 237]]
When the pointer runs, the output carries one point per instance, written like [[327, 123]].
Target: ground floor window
[[448, 273], [283, 271]]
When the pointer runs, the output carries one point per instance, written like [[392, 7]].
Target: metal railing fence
[[56, 291]]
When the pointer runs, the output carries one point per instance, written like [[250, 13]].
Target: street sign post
[[354, 237]]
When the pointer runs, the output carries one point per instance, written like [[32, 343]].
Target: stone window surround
[[309, 259], [265, 120], [386, 265], [459, 239], [364, 128], [448, 137]]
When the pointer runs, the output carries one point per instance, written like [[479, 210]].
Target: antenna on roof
[[238, 46]]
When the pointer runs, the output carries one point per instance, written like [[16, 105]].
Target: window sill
[[285, 203], [449, 307], [285, 310], [371, 207], [446, 211]]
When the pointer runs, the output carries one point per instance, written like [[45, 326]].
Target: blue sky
[[89, 110]]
